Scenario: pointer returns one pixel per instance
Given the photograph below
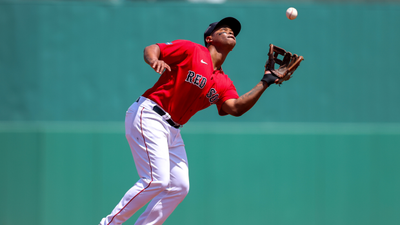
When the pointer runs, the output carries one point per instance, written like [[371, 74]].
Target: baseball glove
[[287, 65]]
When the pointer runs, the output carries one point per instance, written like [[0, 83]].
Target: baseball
[[291, 13]]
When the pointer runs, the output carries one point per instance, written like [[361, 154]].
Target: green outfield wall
[[83, 61], [322, 149]]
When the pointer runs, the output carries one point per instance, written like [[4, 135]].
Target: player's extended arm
[[151, 56], [237, 107], [289, 63]]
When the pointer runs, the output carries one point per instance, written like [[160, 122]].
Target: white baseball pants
[[161, 162]]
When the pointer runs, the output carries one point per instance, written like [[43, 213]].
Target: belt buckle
[[166, 116]]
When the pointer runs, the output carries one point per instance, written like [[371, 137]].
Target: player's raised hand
[[152, 57], [160, 66]]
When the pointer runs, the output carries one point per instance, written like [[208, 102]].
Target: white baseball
[[291, 13]]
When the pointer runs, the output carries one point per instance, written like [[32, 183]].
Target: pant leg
[[161, 207], [148, 138]]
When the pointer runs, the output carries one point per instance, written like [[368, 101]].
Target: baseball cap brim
[[233, 23]]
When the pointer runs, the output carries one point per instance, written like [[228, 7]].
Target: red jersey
[[192, 84]]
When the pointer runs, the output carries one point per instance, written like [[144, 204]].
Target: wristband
[[269, 78]]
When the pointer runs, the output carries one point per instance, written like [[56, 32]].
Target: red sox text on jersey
[[200, 81], [192, 84]]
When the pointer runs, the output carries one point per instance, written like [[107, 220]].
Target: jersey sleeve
[[175, 51], [229, 93]]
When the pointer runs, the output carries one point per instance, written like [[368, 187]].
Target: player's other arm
[[237, 107], [151, 56]]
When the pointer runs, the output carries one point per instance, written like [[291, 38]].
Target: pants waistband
[[163, 114]]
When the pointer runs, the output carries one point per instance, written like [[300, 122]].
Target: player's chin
[[231, 44]]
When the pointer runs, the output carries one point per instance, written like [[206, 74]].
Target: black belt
[[161, 112]]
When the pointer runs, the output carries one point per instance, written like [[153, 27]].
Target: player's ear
[[209, 39]]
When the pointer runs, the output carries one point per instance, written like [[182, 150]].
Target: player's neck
[[217, 56]]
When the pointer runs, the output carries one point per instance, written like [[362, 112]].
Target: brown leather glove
[[287, 65]]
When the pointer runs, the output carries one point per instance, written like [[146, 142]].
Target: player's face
[[223, 35]]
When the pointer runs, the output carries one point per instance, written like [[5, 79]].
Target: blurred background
[[322, 149]]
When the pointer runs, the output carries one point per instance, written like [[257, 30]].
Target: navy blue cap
[[233, 23]]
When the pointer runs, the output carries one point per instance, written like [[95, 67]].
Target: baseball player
[[191, 80]]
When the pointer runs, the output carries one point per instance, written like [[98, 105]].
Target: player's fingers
[[168, 67], [155, 67], [160, 67]]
